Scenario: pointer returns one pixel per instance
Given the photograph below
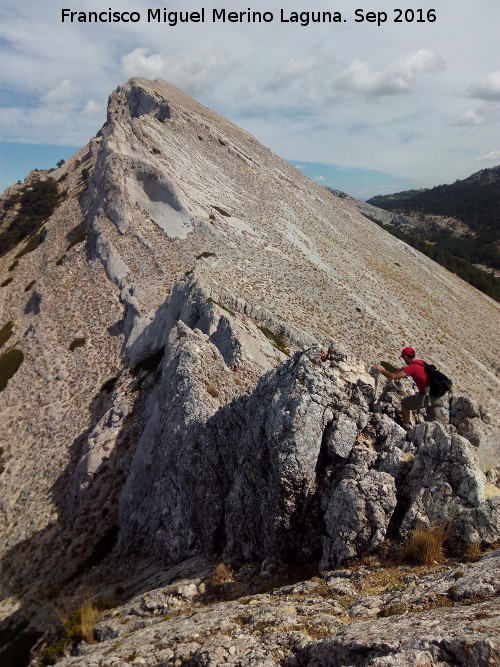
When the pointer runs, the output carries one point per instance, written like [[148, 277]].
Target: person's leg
[[409, 405], [432, 412], [405, 413]]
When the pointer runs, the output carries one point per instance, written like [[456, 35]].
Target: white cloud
[[44, 125], [397, 79], [290, 72], [92, 109], [196, 71], [64, 93], [319, 178], [470, 118], [492, 156], [487, 89]]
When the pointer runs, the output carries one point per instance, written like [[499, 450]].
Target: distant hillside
[[417, 231], [462, 218]]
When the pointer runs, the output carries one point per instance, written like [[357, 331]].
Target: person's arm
[[397, 375]]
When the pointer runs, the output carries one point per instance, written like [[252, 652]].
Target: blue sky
[[17, 160], [361, 107]]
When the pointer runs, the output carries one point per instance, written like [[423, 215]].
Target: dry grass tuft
[[77, 626], [213, 391], [89, 612], [472, 553], [425, 547], [221, 575]]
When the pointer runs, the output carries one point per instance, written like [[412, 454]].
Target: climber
[[414, 368]]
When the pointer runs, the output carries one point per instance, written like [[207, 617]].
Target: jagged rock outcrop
[[304, 466]]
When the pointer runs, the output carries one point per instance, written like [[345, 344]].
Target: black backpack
[[440, 383]]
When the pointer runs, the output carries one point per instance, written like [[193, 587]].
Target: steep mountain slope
[[183, 262]]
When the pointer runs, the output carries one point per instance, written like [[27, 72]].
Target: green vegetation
[[32, 244], [84, 176], [6, 282], [10, 362], [81, 237], [481, 280], [77, 342], [78, 627], [6, 332], [276, 339], [36, 203], [205, 254], [475, 201], [29, 286], [155, 151], [13, 265]]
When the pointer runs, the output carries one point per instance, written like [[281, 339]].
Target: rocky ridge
[[170, 385]]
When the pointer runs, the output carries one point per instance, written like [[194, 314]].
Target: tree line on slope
[[36, 202], [477, 204]]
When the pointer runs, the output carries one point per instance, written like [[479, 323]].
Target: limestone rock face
[[304, 465]]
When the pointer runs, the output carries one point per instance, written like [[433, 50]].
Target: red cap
[[408, 352]]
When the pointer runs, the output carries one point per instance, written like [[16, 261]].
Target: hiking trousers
[[421, 401]]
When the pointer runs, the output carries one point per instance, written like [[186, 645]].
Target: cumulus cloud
[[92, 109], [470, 118], [64, 93], [195, 71], [492, 156], [291, 72], [487, 89], [397, 79]]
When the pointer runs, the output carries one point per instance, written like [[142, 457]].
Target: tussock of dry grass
[[213, 391], [472, 553], [88, 616], [425, 547]]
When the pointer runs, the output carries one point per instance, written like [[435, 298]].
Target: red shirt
[[416, 371]]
